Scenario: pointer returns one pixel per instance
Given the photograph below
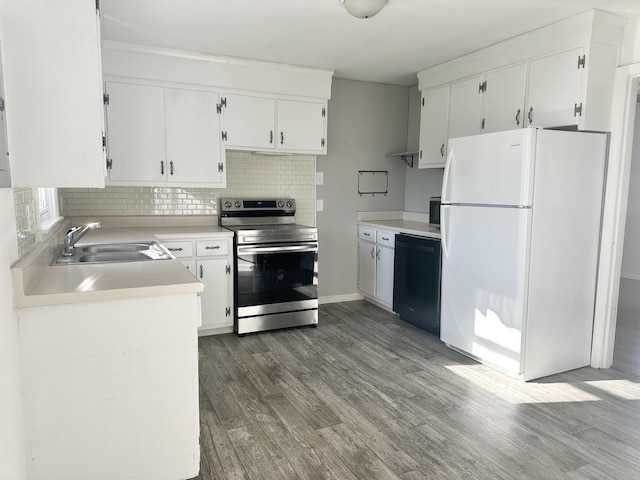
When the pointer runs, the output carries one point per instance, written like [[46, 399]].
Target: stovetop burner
[[263, 220]]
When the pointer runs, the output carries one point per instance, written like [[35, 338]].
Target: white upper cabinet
[[135, 133], [503, 102], [273, 124], [301, 126], [193, 139], [560, 75], [554, 89], [163, 136], [434, 113], [249, 122], [51, 54], [465, 108]]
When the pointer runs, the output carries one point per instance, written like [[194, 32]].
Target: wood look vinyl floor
[[368, 396]]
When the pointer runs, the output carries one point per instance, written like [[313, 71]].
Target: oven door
[[276, 278]]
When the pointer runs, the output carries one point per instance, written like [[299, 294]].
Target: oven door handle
[[278, 249]]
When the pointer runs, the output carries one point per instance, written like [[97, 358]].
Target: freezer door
[[485, 254], [490, 169]]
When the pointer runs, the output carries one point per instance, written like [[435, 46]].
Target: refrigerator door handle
[[443, 230], [445, 180]]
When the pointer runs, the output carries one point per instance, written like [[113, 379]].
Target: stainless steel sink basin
[[113, 253], [115, 247]]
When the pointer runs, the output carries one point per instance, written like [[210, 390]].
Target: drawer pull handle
[[212, 248], [385, 239], [201, 272], [176, 249], [366, 235]]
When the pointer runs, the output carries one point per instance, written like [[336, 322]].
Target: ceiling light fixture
[[363, 8]]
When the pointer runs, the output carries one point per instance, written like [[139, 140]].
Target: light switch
[[319, 178], [319, 205]]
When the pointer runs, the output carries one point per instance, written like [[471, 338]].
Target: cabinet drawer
[[180, 249], [367, 234], [206, 248], [385, 238]]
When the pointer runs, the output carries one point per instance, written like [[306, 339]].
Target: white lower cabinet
[[211, 261], [375, 265]]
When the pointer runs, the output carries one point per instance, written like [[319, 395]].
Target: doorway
[[626, 353]]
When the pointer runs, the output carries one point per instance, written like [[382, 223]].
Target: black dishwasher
[[416, 287]]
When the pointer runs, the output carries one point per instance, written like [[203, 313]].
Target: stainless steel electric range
[[275, 266]]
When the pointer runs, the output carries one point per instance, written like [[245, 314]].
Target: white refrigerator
[[520, 223]]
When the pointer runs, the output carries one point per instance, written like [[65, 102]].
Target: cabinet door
[[504, 99], [554, 90], [433, 127], [384, 274], [193, 136], [465, 108], [136, 133], [216, 308], [249, 122], [301, 126], [367, 268], [52, 73]]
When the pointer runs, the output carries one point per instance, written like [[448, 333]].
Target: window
[[47, 201]]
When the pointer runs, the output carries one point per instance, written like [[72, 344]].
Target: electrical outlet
[[319, 205], [319, 178]]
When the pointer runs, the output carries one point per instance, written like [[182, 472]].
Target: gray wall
[[631, 252], [420, 184], [366, 121]]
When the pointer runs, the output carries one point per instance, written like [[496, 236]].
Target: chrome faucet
[[70, 240]]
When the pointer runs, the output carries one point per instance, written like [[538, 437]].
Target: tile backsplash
[[247, 175], [25, 206]]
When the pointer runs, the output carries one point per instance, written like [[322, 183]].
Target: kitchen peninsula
[[110, 360]]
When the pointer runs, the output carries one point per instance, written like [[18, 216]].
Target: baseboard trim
[[349, 297], [630, 276]]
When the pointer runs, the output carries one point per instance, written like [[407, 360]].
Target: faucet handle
[[73, 230]]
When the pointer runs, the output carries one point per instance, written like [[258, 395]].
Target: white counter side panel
[[111, 389]]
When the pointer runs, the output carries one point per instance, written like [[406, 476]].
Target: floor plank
[[368, 396]]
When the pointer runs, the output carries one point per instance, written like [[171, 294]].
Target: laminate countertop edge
[[410, 227]]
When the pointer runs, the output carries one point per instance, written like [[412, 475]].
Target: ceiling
[[405, 37]]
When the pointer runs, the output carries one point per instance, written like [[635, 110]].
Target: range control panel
[[271, 206]]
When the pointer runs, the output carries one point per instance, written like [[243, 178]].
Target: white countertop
[[403, 226], [36, 283]]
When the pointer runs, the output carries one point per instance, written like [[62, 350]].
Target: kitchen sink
[[116, 247], [112, 253]]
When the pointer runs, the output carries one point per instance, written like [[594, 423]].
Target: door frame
[[623, 109]]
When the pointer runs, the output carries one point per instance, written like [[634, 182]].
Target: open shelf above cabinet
[[404, 155]]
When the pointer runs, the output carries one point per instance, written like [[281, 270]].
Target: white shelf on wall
[[404, 156]]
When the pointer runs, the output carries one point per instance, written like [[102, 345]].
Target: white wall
[[12, 451], [366, 121], [630, 52], [420, 184]]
